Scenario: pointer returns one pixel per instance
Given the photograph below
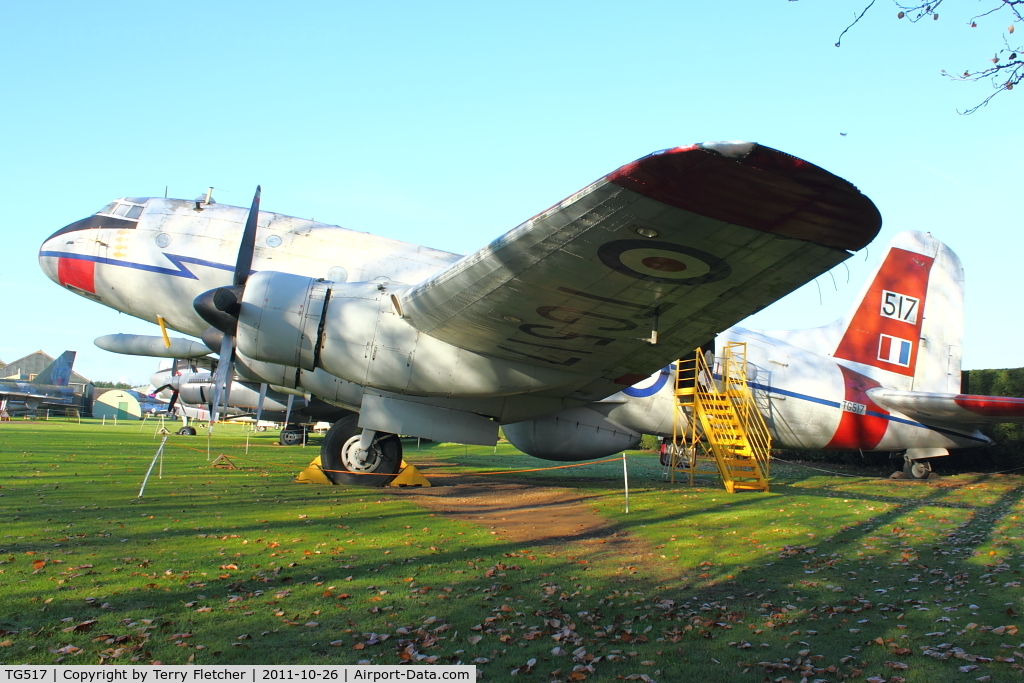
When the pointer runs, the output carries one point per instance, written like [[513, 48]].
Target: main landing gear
[[360, 457], [916, 469]]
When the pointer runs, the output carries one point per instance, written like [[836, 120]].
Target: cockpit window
[[127, 208]]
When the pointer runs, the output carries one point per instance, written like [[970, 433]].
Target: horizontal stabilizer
[[951, 409], [148, 345]]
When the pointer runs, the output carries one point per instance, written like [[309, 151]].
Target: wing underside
[[685, 242]]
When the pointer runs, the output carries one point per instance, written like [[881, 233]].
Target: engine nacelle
[[353, 331], [574, 434]]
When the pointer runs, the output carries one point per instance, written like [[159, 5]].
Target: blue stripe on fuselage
[[179, 261]]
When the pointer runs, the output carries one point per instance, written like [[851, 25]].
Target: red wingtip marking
[[873, 339], [764, 190], [992, 406], [77, 273]]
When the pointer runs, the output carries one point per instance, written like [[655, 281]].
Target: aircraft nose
[[64, 259], [47, 262]]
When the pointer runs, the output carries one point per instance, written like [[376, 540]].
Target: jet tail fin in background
[[907, 322], [57, 373]]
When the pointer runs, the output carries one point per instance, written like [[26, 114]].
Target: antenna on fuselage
[[202, 200]]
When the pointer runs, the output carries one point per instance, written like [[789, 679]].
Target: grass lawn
[[825, 578]]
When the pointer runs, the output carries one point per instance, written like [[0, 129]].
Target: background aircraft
[[191, 394], [49, 388], [587, 298]]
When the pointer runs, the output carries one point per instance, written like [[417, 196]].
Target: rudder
[[909, 320]]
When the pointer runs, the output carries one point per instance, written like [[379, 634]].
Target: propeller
[[220, 307], [173, 386], [259, 404]]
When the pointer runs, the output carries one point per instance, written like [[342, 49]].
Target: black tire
[[383, 467], [291, 437], [917, 469], [187, 431]]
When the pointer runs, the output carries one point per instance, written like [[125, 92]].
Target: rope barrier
[[544, 469], [838, 474], [432, 474]]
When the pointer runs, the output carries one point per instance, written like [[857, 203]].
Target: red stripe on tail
[[893, 306]]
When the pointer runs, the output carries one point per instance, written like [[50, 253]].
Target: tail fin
[[58, 372], [908, 321]]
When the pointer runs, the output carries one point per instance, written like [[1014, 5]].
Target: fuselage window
[[134, 212], [121, 209]]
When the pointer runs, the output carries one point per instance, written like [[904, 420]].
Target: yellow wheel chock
[[408, 475]]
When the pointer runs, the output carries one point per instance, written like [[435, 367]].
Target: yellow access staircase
[[717, 419]]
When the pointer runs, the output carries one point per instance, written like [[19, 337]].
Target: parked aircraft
[[191, 394], [51, 387], [540, 330]]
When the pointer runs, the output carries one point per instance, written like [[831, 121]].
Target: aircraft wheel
[[338, 456], [917, 469], [291, 437], [187, 431]]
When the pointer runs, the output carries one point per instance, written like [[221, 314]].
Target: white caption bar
[[205, 673]]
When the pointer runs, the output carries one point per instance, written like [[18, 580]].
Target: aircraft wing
[[27, 395], [950, 409], [687, 242]]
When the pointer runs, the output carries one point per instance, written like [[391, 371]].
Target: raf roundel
[[651, 385], [662, 262]]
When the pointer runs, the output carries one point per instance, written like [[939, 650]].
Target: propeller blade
[[259, 404], [248, 246], [288, 412], [174, 399], [227, 353], [227, 389]]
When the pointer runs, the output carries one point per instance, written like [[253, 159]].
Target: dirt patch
[[536, 516]]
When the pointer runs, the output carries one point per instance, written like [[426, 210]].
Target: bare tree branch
[[1007, 70], [859, 17]]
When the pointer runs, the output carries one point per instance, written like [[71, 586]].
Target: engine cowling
[[574, 434], [353, 331]]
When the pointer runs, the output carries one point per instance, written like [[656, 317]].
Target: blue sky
[[447, 124]]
